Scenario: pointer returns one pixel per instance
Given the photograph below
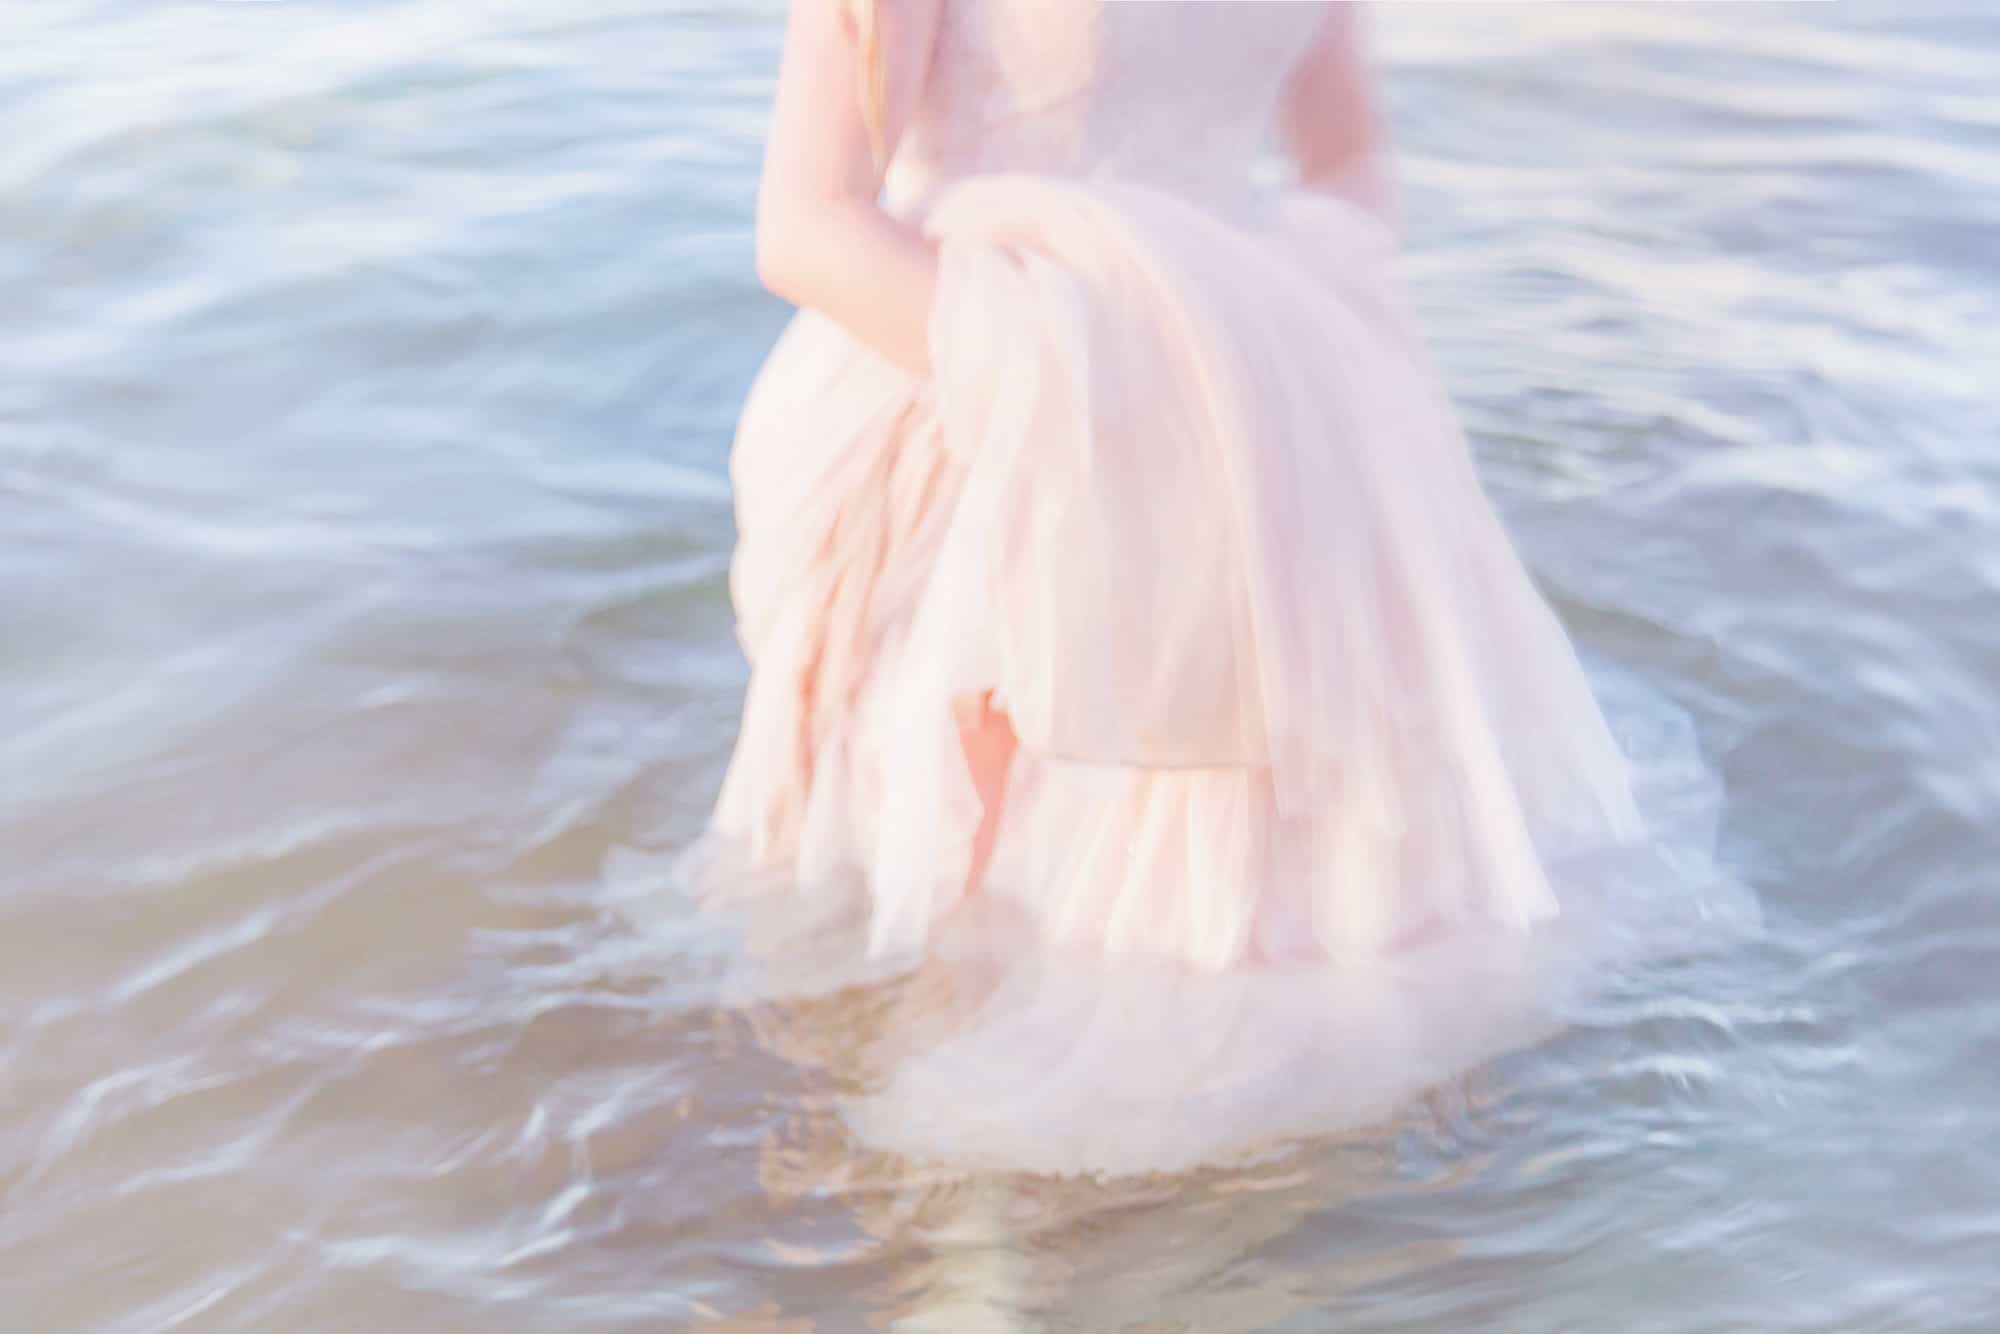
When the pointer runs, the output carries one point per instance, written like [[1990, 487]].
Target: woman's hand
[[822, 238]]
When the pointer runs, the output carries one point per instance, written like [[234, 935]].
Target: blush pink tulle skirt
[[1184, 498]]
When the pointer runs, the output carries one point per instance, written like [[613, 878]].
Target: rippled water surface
[[365, 386]]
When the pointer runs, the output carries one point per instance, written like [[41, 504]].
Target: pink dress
[[1312, 793], [1184, 494]]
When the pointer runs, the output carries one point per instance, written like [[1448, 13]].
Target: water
[[365, 386]]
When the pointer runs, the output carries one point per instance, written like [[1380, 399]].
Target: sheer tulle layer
[[1003, 1050], [1184, 494]]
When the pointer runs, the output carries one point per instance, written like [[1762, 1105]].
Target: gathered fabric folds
[[1185, 497]]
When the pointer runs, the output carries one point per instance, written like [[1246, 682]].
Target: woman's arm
[[822, 239], [1332, 120]]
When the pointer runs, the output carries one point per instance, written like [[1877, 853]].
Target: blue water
[[366, 381]]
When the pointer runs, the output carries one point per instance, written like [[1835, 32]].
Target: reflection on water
[[368, 375]]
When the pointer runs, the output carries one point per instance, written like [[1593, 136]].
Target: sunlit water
[[366, 379]]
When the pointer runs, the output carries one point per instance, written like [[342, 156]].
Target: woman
[[1107, 548]]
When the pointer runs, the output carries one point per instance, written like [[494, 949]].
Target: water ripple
[[366, 606]]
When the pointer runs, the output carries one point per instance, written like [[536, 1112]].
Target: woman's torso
[[1176, 92]]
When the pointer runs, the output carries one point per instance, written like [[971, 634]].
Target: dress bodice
[[1181, 93]]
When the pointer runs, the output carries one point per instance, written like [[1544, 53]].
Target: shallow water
[[364, 397]]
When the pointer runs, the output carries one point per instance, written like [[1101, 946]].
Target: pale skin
[[822, 239], [825, 242]]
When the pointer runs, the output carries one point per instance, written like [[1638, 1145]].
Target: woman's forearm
[[869, 272], [822, 240], [1333, 122]]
